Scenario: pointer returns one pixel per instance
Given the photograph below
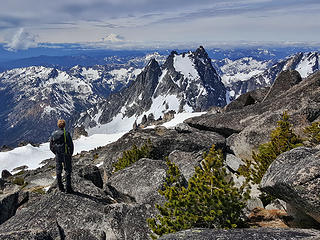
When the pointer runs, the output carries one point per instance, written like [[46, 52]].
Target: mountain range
[[112, 97]]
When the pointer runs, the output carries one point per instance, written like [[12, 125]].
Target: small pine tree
[[131, 156], [313, 133], [282, 139], [209, 201]]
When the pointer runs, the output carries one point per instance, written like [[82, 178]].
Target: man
[[62, 146]]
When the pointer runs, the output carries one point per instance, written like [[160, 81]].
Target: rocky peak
[[152, 64], [201, 53], [283, 82], [186, 82], [168, 64], [147, 80]]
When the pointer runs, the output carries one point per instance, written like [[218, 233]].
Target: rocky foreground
[[108, 205]]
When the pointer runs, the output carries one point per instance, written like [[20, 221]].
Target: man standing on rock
[[62, 146]]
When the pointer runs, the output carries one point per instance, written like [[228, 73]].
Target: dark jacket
[[57, 143]]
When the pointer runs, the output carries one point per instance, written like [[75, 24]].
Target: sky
[[120, 24]]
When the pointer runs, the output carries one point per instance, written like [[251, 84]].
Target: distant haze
[[120, 24]]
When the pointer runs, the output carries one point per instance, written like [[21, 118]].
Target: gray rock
[[186, 162], [183, 128], [30, 234], [253, 135], [91, 173], [223, 123], [233, 162], [288, 78], [277, 204], [86, 214], [141, 180], [8, 204], [2, 184], [247, 99], [10, 200], [57, 213], [80, 234], [240, 234], [253, 203], [78, 132], [5, 174], [294, 178], [299, 219], [128, 221]]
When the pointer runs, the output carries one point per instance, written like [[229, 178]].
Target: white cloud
[[22, 40], [113, 38]]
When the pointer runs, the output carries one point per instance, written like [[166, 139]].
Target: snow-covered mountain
[[240, 70], [247, 74], [184, 83], [33, 98]]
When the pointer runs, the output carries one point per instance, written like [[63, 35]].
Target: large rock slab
[[253, 135], [225, 123], [288, 78], [141, 180], [57, 212], [78, 216], [30, 234], [294, 177], [8, 205], [11, 199], [240, 234]]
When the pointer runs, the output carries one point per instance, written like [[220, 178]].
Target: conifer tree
[[131, 156], [313, 133], [209, 201], [282, 139]]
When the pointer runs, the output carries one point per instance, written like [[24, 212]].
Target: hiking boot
[[69, 190]]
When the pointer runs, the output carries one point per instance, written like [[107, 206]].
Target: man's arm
[[70, 143], [52, 146]]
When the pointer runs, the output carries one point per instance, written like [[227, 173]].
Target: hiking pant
[[63, 161]]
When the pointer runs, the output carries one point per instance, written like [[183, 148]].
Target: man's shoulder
[[56, 133]]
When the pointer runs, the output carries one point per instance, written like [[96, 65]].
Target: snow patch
[[33, 156], [185, 65], [180, 117]]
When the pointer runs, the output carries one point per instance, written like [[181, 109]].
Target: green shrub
[[38, 190], [18, 181], [282, 139], [313, 133], [20, 173], [131, 156], [209, 201]]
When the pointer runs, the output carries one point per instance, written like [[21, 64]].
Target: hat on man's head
[[61, 123]]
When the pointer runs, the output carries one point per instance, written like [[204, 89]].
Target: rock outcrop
[[240, 234], [249, 126], [10, 199], [141, 180], [294, 177], [164, 141]]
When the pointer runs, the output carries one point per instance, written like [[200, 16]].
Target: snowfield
[[33, 156]]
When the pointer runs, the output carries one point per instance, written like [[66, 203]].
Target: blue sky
[[154, 23]]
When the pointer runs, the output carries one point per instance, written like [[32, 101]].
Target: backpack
[[59, 142]]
